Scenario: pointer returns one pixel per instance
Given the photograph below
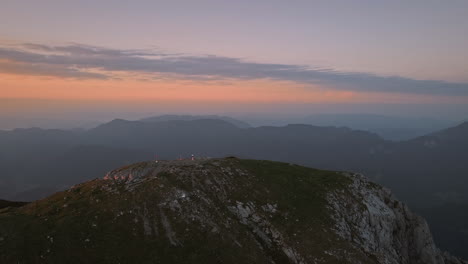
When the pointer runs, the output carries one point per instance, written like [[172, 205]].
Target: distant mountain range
[[162, 118], [426, 172], [388, 127], [432, 164], [218, 211]]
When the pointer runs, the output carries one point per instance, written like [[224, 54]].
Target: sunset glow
[[245, 63]]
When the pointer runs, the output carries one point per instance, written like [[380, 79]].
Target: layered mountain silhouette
[[428, 171], [162, 118], [388, 127]]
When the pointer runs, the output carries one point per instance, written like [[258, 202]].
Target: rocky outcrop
[[372, 219], [219, 211]]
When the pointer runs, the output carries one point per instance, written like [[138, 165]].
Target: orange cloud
[[97, 64], [181, 90], [21, 86]]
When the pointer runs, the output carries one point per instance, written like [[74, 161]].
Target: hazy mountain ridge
[[163, 118], [426, 171], [219, 210], [449, 134], [436, 159], [389, 127], [323, 147]]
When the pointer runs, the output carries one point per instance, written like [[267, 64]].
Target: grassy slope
[[4, 204], [88, 224]]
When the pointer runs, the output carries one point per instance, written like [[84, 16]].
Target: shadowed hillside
[[218, 211], [425, 172]]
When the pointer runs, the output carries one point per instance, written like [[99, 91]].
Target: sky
[[63, 56]]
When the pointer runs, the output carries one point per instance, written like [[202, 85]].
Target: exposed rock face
[[375, 222], [219, 211]]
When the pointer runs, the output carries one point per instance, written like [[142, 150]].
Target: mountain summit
[[218, 211], [164, 118]]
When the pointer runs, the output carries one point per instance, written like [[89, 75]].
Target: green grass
[[68, 217], [301, 192]]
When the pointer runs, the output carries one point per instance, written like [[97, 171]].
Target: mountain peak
[[163, 118], [219, 210], [463, 125]]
